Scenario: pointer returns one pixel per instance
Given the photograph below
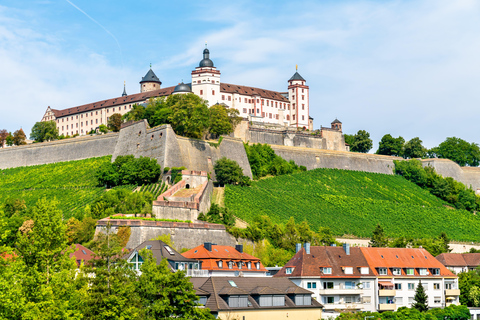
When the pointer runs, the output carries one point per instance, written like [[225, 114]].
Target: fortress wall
[[470, 176], [334, 139], [184, 235], [200, 155], [316, 158], [57, 151]]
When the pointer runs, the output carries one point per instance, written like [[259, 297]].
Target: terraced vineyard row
[[352, 202], [72, 183], [155, 188]]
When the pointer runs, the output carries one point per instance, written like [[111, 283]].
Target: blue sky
[[408, 68]]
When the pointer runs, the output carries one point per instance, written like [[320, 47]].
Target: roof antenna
[[205, 44], [296, 67]]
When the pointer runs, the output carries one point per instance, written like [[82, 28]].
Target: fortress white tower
[[206, 80], [299, 96]]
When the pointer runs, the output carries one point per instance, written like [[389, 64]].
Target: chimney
[[346, 247], [298, 247], [208, 246], [239, 248], [306, 245]]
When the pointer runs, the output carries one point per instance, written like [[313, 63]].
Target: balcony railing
[[387, 307], [386, 293], [197, 273], [452, 292]]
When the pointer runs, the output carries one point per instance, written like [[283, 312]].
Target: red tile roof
[[82, 254], [333, 257], [402, 258], [224, 253], [459, 259], [251, 91]]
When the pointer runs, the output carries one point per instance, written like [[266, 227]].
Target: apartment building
[[459, 262]]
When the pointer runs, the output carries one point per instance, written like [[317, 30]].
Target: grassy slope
[[72, 183], [352, 202]]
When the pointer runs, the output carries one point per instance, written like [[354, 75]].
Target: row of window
[[96, 113], [241, 301], [346, 270], [239, 264], [366, 285], [409, 271]]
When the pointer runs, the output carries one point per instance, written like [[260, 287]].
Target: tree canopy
[[414, 149], [115, 122], [391, 146], [129, 170], [44, 131], [359, 142], [19, 137], [229, 172], [458, 150], [378, 239]]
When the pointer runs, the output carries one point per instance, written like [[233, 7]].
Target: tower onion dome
[[151, 77], [206, 62], [182, 87]]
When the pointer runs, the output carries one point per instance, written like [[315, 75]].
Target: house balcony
[[387, 307], [386, 293], [340, 291], [452, 292], [343, 306], [197, 273]]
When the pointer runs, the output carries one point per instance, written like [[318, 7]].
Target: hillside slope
[[352, 202], [72, 183]]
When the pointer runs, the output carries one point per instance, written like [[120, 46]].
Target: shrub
[[129, 170]]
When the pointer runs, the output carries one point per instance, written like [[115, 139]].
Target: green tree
[[415, 149], [391, 146], [378, 239], [165, 294], [219, 120], [115, 122], [9, 140], [19, 137], [129, 170], [228, 171], [411, 170], [360, 142], [190, 116], [458, 150], [3, 137], [103, 128], [44, 131], [420, 299]]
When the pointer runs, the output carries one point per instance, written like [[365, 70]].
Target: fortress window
[[293, 117], [161, 134], [245, 100], [263, 102], [125, 108], [201, 92], [302, 90], [63, 120], [244, 110], [67, 126], [303, 106], [139, 132], [81, 116], [96, 121], [263, 114], [96, 112], [303, 117], [113, 110], [108, 111], [76, 125], [91, 121], [151, 137], [62, 127], [76, 117], [213, 81], [277, 116], [276, 104], [229, 98], [267, 103], [223, 97], [258, 100], [303, 97], [154, 85], [270, 115], [91, 113], [258, 110], [293, 97], [213, 92]]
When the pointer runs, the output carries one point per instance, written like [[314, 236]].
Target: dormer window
[[257, 265], [230, 264], [423, 271], [249, 265], [289, 270], [397, 271], [348, 270], [327, 270], [435, 271], [409, 271], [220, 264], [364, 270], [382, 271]]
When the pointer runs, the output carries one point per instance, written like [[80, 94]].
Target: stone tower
[[299, 107], [150, 81], [337, 125]]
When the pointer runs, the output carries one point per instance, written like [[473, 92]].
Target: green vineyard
[[72, 183], [155, 188], [352, 202]]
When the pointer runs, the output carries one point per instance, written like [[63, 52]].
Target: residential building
[[290, 108], [460, 262], [82, 254], [160, 250], [370, 279], [256, 298], [226, 261], [339, 277]]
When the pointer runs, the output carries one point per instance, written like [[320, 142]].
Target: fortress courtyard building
[[290, 108]]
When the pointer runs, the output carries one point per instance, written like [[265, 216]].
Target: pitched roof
[[132, 98], [402, 258], [225, 253], [150, 77], [82, 254], [322, 256], [159, 250], [217, 287], [459, 259], [251, 91], [296, 76]]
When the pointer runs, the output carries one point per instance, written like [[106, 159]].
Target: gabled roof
[[82, 254], [459, 259], [251, 91], [219, 287], [402, 258], [296, 76], [322, 256], [336, 121], [159, 250], [150, 77]]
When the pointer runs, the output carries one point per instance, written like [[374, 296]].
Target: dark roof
[[459, 259], [206, 62], [336, 121], [335, 257], [132, 98], [267, 94], [182, 87], [124, 94], [296, 76], [218, 287], [150, 77], [160, 251]]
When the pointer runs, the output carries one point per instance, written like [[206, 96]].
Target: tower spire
[[124, 90]]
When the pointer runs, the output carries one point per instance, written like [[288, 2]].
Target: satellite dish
[[360, 285]]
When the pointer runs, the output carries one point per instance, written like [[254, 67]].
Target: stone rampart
[[184, 235], [317, 158], [77, 148], [469, 176]]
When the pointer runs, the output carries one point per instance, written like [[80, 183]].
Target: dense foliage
[[229, 172], [188, 114], [451, 312], [44, 131], [263, 161], [115, 122], [128, 170], [359, 142], [447, 189], [469, 285], [352, 202], [457, 150]]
